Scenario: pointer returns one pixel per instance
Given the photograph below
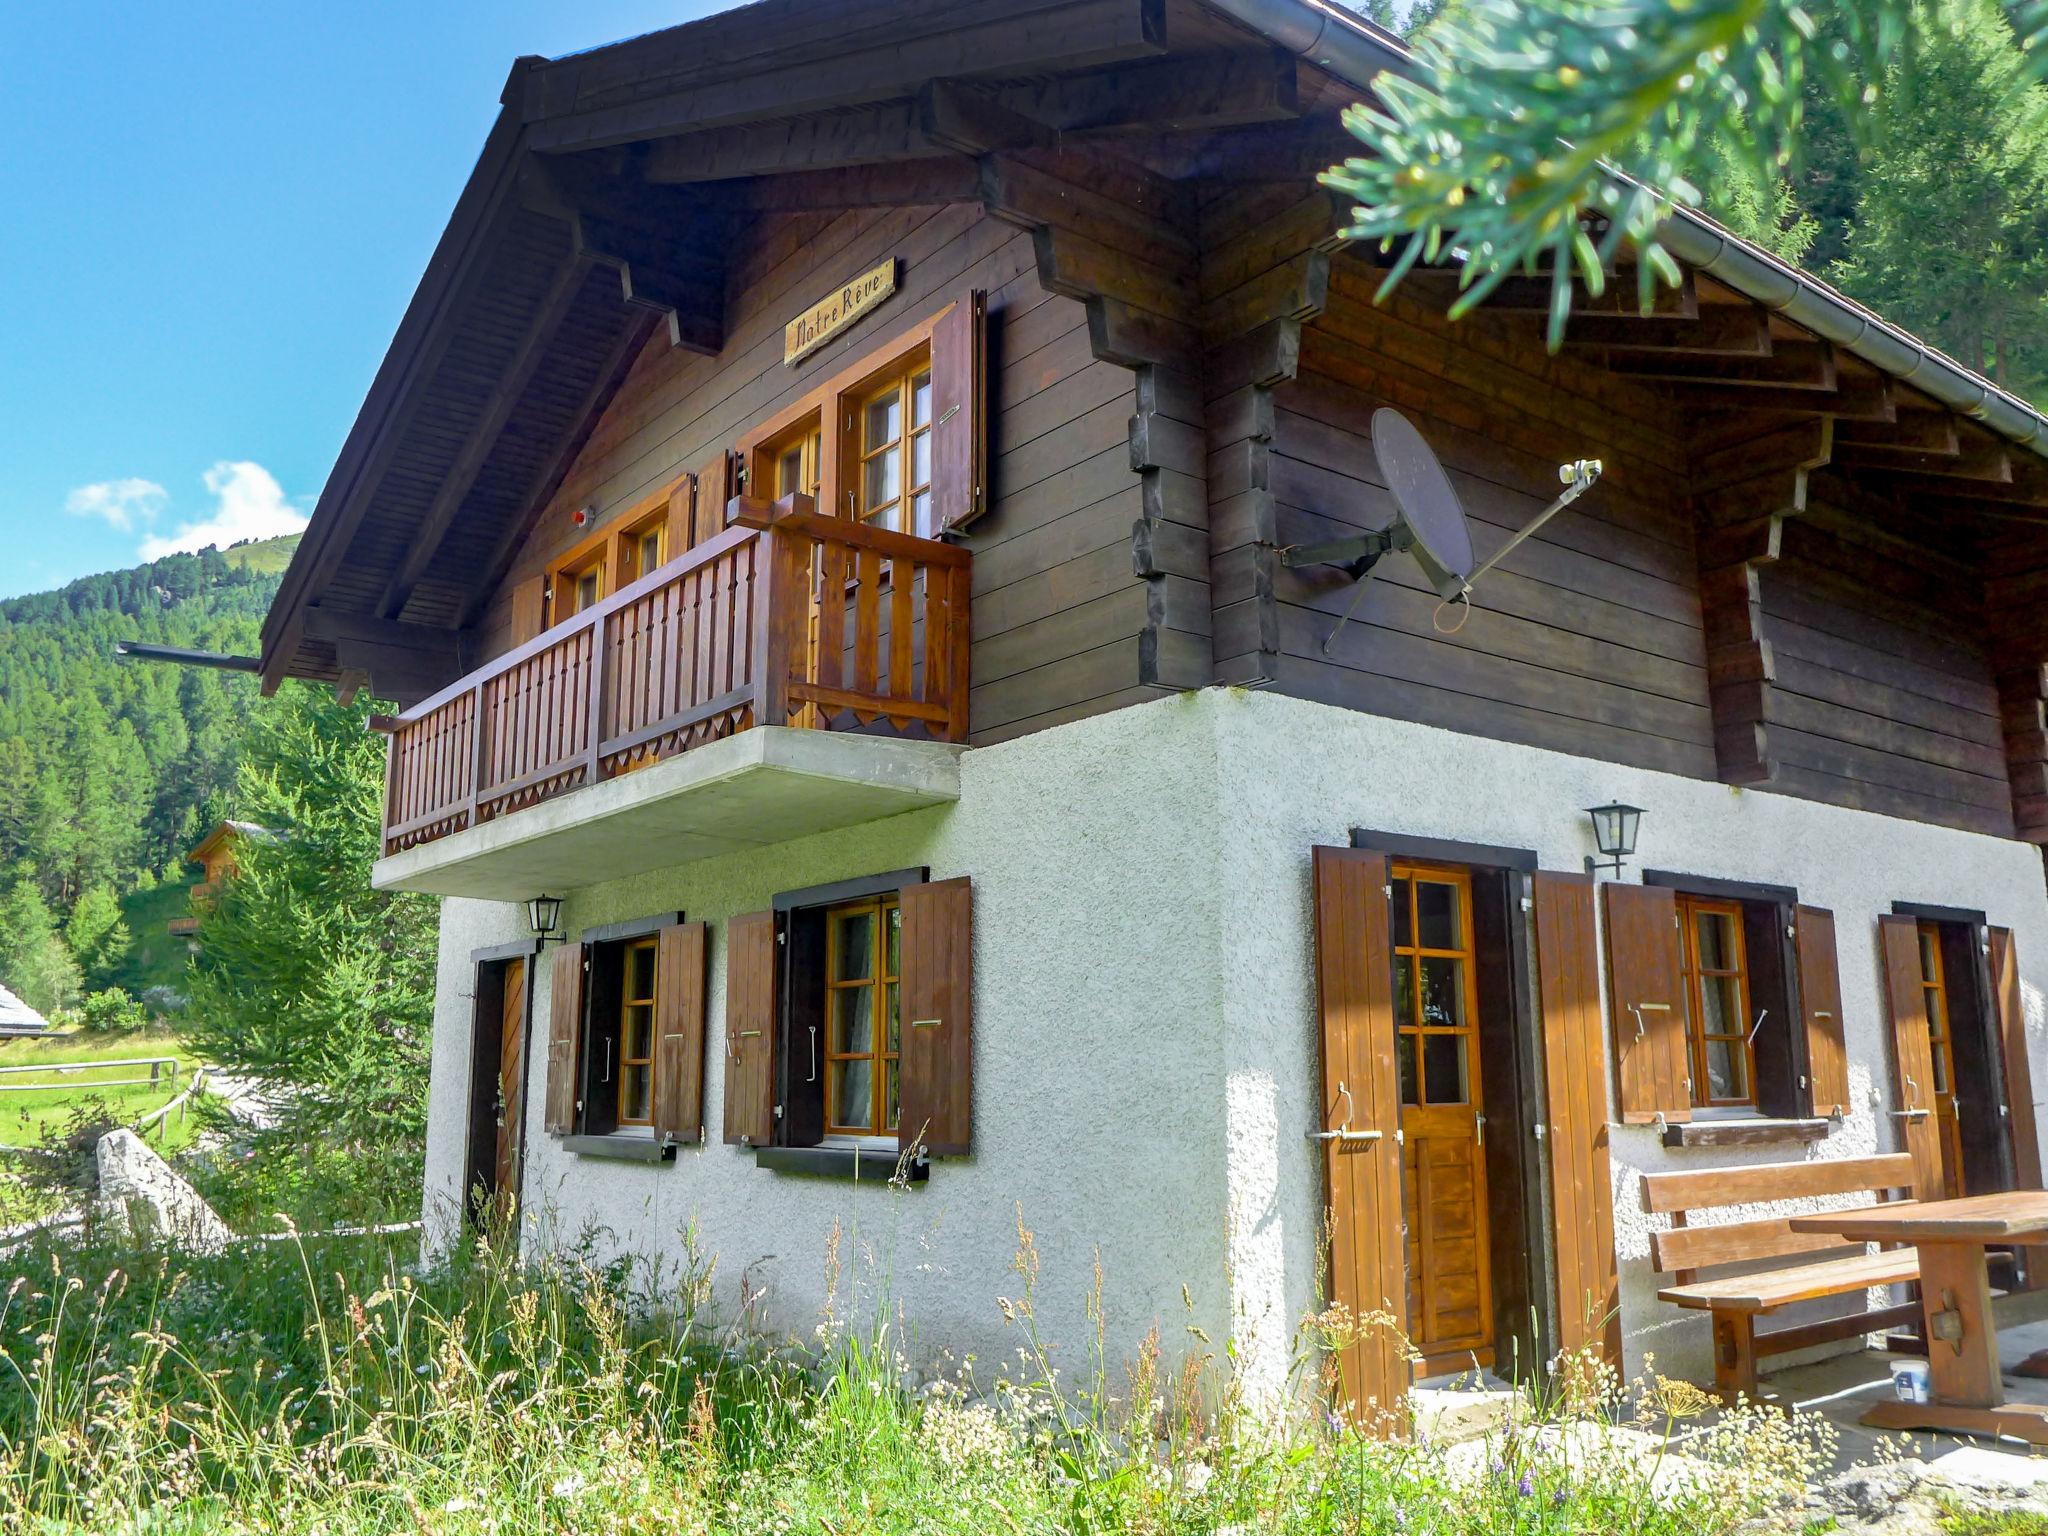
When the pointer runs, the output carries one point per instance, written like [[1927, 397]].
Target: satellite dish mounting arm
[[1578, 477]]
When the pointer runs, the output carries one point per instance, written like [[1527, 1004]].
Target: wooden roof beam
[[1858, 399], [1991, 466], [1227, 90], [1728, 330], [476, 452], [904, 183], [1916, 431], [1790, 365], [1531, 296]]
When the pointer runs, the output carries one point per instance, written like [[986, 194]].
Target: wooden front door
[[1941, 1058], [1443, 1120], [511, 1084]]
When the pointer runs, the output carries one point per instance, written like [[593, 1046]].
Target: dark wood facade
[[1799, 574]]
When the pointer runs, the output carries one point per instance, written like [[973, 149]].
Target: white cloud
[[248, 503], [122, 504]]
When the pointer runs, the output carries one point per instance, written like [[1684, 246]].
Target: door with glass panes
[[1443, 1121]]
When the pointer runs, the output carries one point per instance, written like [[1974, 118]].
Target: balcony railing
[[786, 618]]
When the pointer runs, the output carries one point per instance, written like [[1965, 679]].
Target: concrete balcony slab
[[750, 790]]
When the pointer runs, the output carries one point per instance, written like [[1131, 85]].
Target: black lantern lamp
[[544, 915], [1614, 834]]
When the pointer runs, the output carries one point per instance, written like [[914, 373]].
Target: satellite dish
[[1428, 508], [1429, 522]]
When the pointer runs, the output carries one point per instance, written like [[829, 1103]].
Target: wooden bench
[[1737, 1300]]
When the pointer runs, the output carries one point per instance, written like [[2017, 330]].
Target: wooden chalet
[[825, 516], [214, 857]]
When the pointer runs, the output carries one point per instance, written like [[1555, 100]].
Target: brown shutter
[[679, 1032], [1912, 1059], [565, 1036], [529, 609], [1362, 1099], [2011, 1016], [937, 1061], [1575, 1082], [1647, 991], [717, 483], [960, 414], [1820, 995], [750, 1023], [682, 518]]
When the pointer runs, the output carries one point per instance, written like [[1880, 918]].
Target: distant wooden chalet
[[833, 517], [214, 855]]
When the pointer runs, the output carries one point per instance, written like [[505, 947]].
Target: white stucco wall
[[1145, 1050]]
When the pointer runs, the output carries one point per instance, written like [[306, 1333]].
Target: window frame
[[830, 399], [629, 949], [612, 550], [1690, 907], [605, 988], [1415, 873], [801, 918], [881, 1057]]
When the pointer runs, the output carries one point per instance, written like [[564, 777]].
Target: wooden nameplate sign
[[832, 314]]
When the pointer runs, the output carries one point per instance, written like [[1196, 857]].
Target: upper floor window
[[637, 543], [636, 1033], [1715, 966], [893, 428], [894, 439]]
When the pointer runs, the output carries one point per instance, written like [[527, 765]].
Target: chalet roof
[[608, 193], [222, 832], [17, 1018]]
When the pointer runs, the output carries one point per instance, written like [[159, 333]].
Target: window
[[1434, 1013], [1717, 1016], [866, 443], [863, 1017], [892, 432], [636, 1034], [849, 1018], [642, 549], [632, 545]]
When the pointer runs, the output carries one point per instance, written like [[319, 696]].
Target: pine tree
[[97, 933], [1951, 232], [34, 963], [306, 977]]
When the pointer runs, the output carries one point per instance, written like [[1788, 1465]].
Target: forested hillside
[[108, 768]]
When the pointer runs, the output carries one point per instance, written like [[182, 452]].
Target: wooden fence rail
[[160, 1067], [785, 618]]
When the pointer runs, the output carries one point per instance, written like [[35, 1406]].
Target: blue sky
[[214, 216]]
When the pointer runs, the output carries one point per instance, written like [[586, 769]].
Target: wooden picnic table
[[1955, 1290]]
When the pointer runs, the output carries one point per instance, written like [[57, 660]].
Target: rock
[[142, 1201], [1448, 1415]]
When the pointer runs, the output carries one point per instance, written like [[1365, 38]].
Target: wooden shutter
[[679, 1032], [682, 535], [1575, 1083], [1361, 1097], [529, 609], [1912, 1058], [716, 484], [2010, 1014], [751, 962], [1820, 997], [937, 1061], [1647, 989], [960, 414], [565, 1036]]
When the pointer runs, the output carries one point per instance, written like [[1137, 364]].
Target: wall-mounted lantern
[[544, 915], [1614, 834]]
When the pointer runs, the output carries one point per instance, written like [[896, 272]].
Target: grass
[[1957, 1521], [266, 557], [333, 1385], [154, 959], [76, 1110]]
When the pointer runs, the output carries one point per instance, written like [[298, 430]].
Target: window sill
[[1746, 1132], [861, 1164], [630, 1149]]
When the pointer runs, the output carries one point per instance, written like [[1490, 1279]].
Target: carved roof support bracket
[[1743, 494]]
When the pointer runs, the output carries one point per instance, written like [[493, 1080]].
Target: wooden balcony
[[732, 636]]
